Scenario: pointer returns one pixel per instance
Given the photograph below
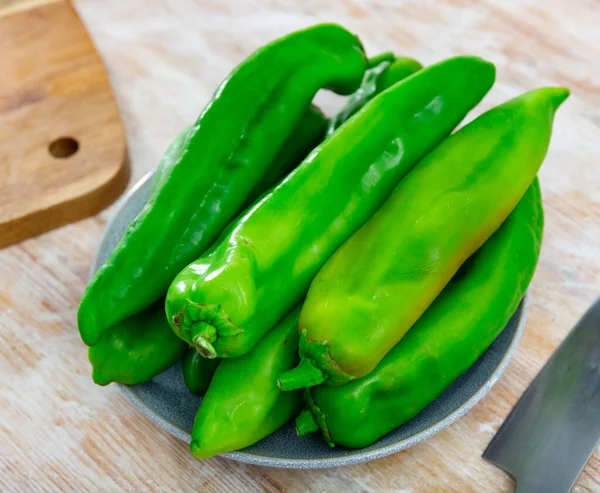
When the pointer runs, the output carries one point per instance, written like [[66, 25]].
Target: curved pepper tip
[[306, 374], [545, 99], [558, 95]]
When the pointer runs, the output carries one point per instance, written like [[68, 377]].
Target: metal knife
[[551, 433]]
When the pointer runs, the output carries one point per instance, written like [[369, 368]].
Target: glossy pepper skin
[[446, 340], [119, 356], [197, 371], [136, 349], [228, 299], [243, 403], [383, 278], [223, 158]]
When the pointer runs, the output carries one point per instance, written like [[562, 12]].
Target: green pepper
[[136, 349], [223, 158], [227, 300], [243, 403], [446, 340], [197, 371], [383, 278]]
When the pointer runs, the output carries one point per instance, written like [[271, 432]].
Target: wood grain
[[62, 146], [59, 432]]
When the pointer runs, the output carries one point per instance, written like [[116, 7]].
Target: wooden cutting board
[[62, 147]]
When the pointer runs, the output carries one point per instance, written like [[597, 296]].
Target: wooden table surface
[[60, 432]]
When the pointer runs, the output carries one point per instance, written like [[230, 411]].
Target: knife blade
[[551, 433]]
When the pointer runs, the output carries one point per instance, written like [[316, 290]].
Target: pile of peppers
[[340, 271]]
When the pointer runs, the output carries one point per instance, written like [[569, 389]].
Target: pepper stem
[[203, 335], [305, 423], [306, 374]]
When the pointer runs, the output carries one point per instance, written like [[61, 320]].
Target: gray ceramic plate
[[167, 402]]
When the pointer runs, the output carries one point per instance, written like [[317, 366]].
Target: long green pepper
[[223, 158], [243, 403], [446, 340], [228, 299], [382, 279]]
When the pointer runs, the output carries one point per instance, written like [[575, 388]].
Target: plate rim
[[354, 456]]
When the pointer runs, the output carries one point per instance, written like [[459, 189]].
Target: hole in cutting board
[[63, 147]]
